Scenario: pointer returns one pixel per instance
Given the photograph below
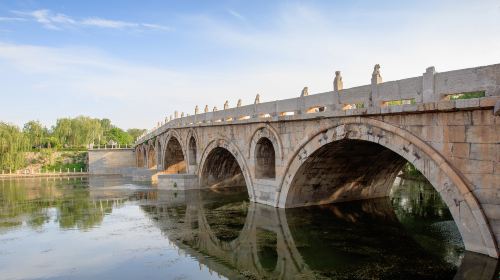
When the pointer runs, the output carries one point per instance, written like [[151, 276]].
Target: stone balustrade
[[431, 91]]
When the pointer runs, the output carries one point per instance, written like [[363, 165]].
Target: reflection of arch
[[224, 145], [265, 159], [173, 160], [453, 189]]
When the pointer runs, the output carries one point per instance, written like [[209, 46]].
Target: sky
[[136, 62]]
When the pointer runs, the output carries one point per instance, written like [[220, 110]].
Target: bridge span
[[348, 144]]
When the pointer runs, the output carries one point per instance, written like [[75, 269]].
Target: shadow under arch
[[174, 159], [151, 156], [223, 165], [453, 189]]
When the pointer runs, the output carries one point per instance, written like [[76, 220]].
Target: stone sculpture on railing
[[239, 103], [257, 99], [206, 109], [196, 110], [338, 85], [182, 115], [376, 77], [176, 114], [215, 109], [226, 105], [305, 92]]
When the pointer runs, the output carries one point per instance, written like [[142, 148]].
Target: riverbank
[[36, 175]]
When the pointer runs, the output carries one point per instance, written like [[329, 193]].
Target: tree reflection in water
[[31, 200]]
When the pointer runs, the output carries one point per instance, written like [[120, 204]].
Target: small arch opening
[[174, 161], [192, 151], [151, 157], [265, 159]]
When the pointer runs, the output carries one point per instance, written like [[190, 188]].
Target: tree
[[35, 132], [135, 132], [13, 144], [119, 136]]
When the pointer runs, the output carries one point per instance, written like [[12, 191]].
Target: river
[[113, 228]]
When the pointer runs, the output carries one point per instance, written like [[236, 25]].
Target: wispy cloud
[[235, 14], [12, 19], [58, 21]]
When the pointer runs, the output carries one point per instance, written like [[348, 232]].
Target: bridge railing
[[376, 97]]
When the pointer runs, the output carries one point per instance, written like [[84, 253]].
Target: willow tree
[[13, 144]]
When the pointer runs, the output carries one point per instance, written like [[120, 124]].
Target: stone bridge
[[348, 144]]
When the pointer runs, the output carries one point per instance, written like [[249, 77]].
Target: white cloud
[[12, 19], [235, 14], [58, 21], [299, 46], [99, 22]]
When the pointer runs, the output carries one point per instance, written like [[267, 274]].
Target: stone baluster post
[[428, 94]]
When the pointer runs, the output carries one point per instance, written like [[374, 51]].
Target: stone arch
[[174, 159], [139, 156], [151, 156], [269, 132], [192, 151], [228, 146], [158, 153], [265, 159], [453, 188], [192, 144]]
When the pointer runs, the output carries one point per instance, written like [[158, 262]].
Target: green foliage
[[467, 95], [135, 132], [119, 136], [69, 134], [67, 160], [409, 171], [13, 144], [79, 131], [36, 132], [400, 102]]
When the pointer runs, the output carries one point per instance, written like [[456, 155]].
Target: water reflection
[[410, 236]]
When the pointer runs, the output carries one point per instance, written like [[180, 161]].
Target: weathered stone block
[[460, 150], [485, 181], [467, 103], [483, 134], [455, 133], [484, 151], [446, 105], [482, 117], [473, 166]]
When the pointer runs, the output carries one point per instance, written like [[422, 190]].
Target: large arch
[[220, 154], [453, 188], [174, 160]]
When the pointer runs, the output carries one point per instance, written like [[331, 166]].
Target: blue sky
[[135, 62]]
